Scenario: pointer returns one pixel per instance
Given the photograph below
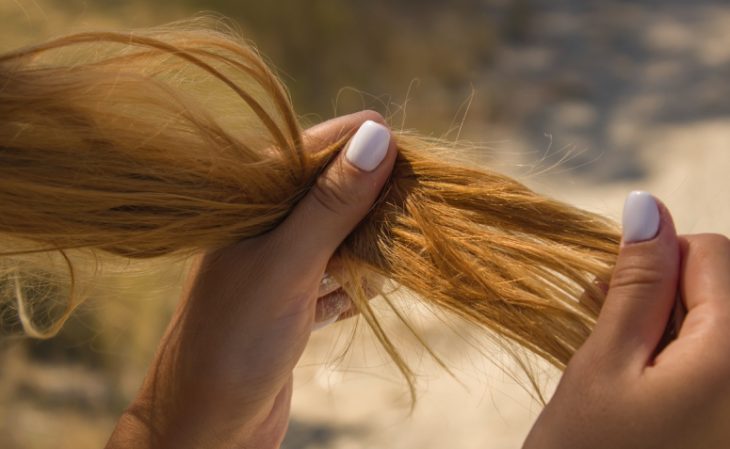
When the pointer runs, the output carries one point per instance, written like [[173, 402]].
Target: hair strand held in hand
[[176, 140]]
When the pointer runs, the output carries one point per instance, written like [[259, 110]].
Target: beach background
[[581, 100]]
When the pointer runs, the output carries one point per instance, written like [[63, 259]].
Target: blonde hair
[[176, 140]]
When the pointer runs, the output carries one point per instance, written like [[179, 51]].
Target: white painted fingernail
[[641, 217], [325, 323], [368, 146]]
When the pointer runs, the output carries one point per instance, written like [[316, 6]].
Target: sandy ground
[[625, 96]]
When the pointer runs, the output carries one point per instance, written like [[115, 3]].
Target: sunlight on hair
[[120, 146]]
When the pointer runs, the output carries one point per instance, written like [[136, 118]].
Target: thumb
[[341, 197], [644, 282]]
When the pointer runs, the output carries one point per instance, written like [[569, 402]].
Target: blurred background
[[582, 100]]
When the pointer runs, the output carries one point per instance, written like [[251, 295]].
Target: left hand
[[223, 374], [623, 389]]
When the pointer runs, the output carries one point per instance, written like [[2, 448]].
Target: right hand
[[616, 391], [223, 374]]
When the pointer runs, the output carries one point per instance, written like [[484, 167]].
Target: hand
[[223, 374], [617, 392]]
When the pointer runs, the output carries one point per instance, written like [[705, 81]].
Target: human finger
[[643, 285], [705, 276], [324, 134], [339, 200]]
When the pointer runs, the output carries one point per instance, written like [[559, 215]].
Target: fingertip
[[645, 219], [333, 130], [369, 146], [643, 283], [666, 226], [370, 115], [641, 217]]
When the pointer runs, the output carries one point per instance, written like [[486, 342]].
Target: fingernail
[[325, 323], [368, 146], [641, 217]]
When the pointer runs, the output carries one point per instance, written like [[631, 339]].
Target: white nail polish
[[325, 323], [641, 217], [368, 146]]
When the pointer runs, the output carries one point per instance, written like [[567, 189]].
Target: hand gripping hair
[[177, 140]]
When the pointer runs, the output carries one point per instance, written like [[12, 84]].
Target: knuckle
[[709, 243], [581, 368], [591, 360], [595, 370], [332, 192], [636, 272], [584, 374]]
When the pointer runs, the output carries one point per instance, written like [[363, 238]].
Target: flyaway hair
[[177, 140]]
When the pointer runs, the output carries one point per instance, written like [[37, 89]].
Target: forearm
[[182, 404]]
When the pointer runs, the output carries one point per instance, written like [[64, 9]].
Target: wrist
[[148, 424], [140, 427], [133, 430], [198, 394]]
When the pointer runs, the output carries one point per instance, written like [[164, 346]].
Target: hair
[[177, 140]]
